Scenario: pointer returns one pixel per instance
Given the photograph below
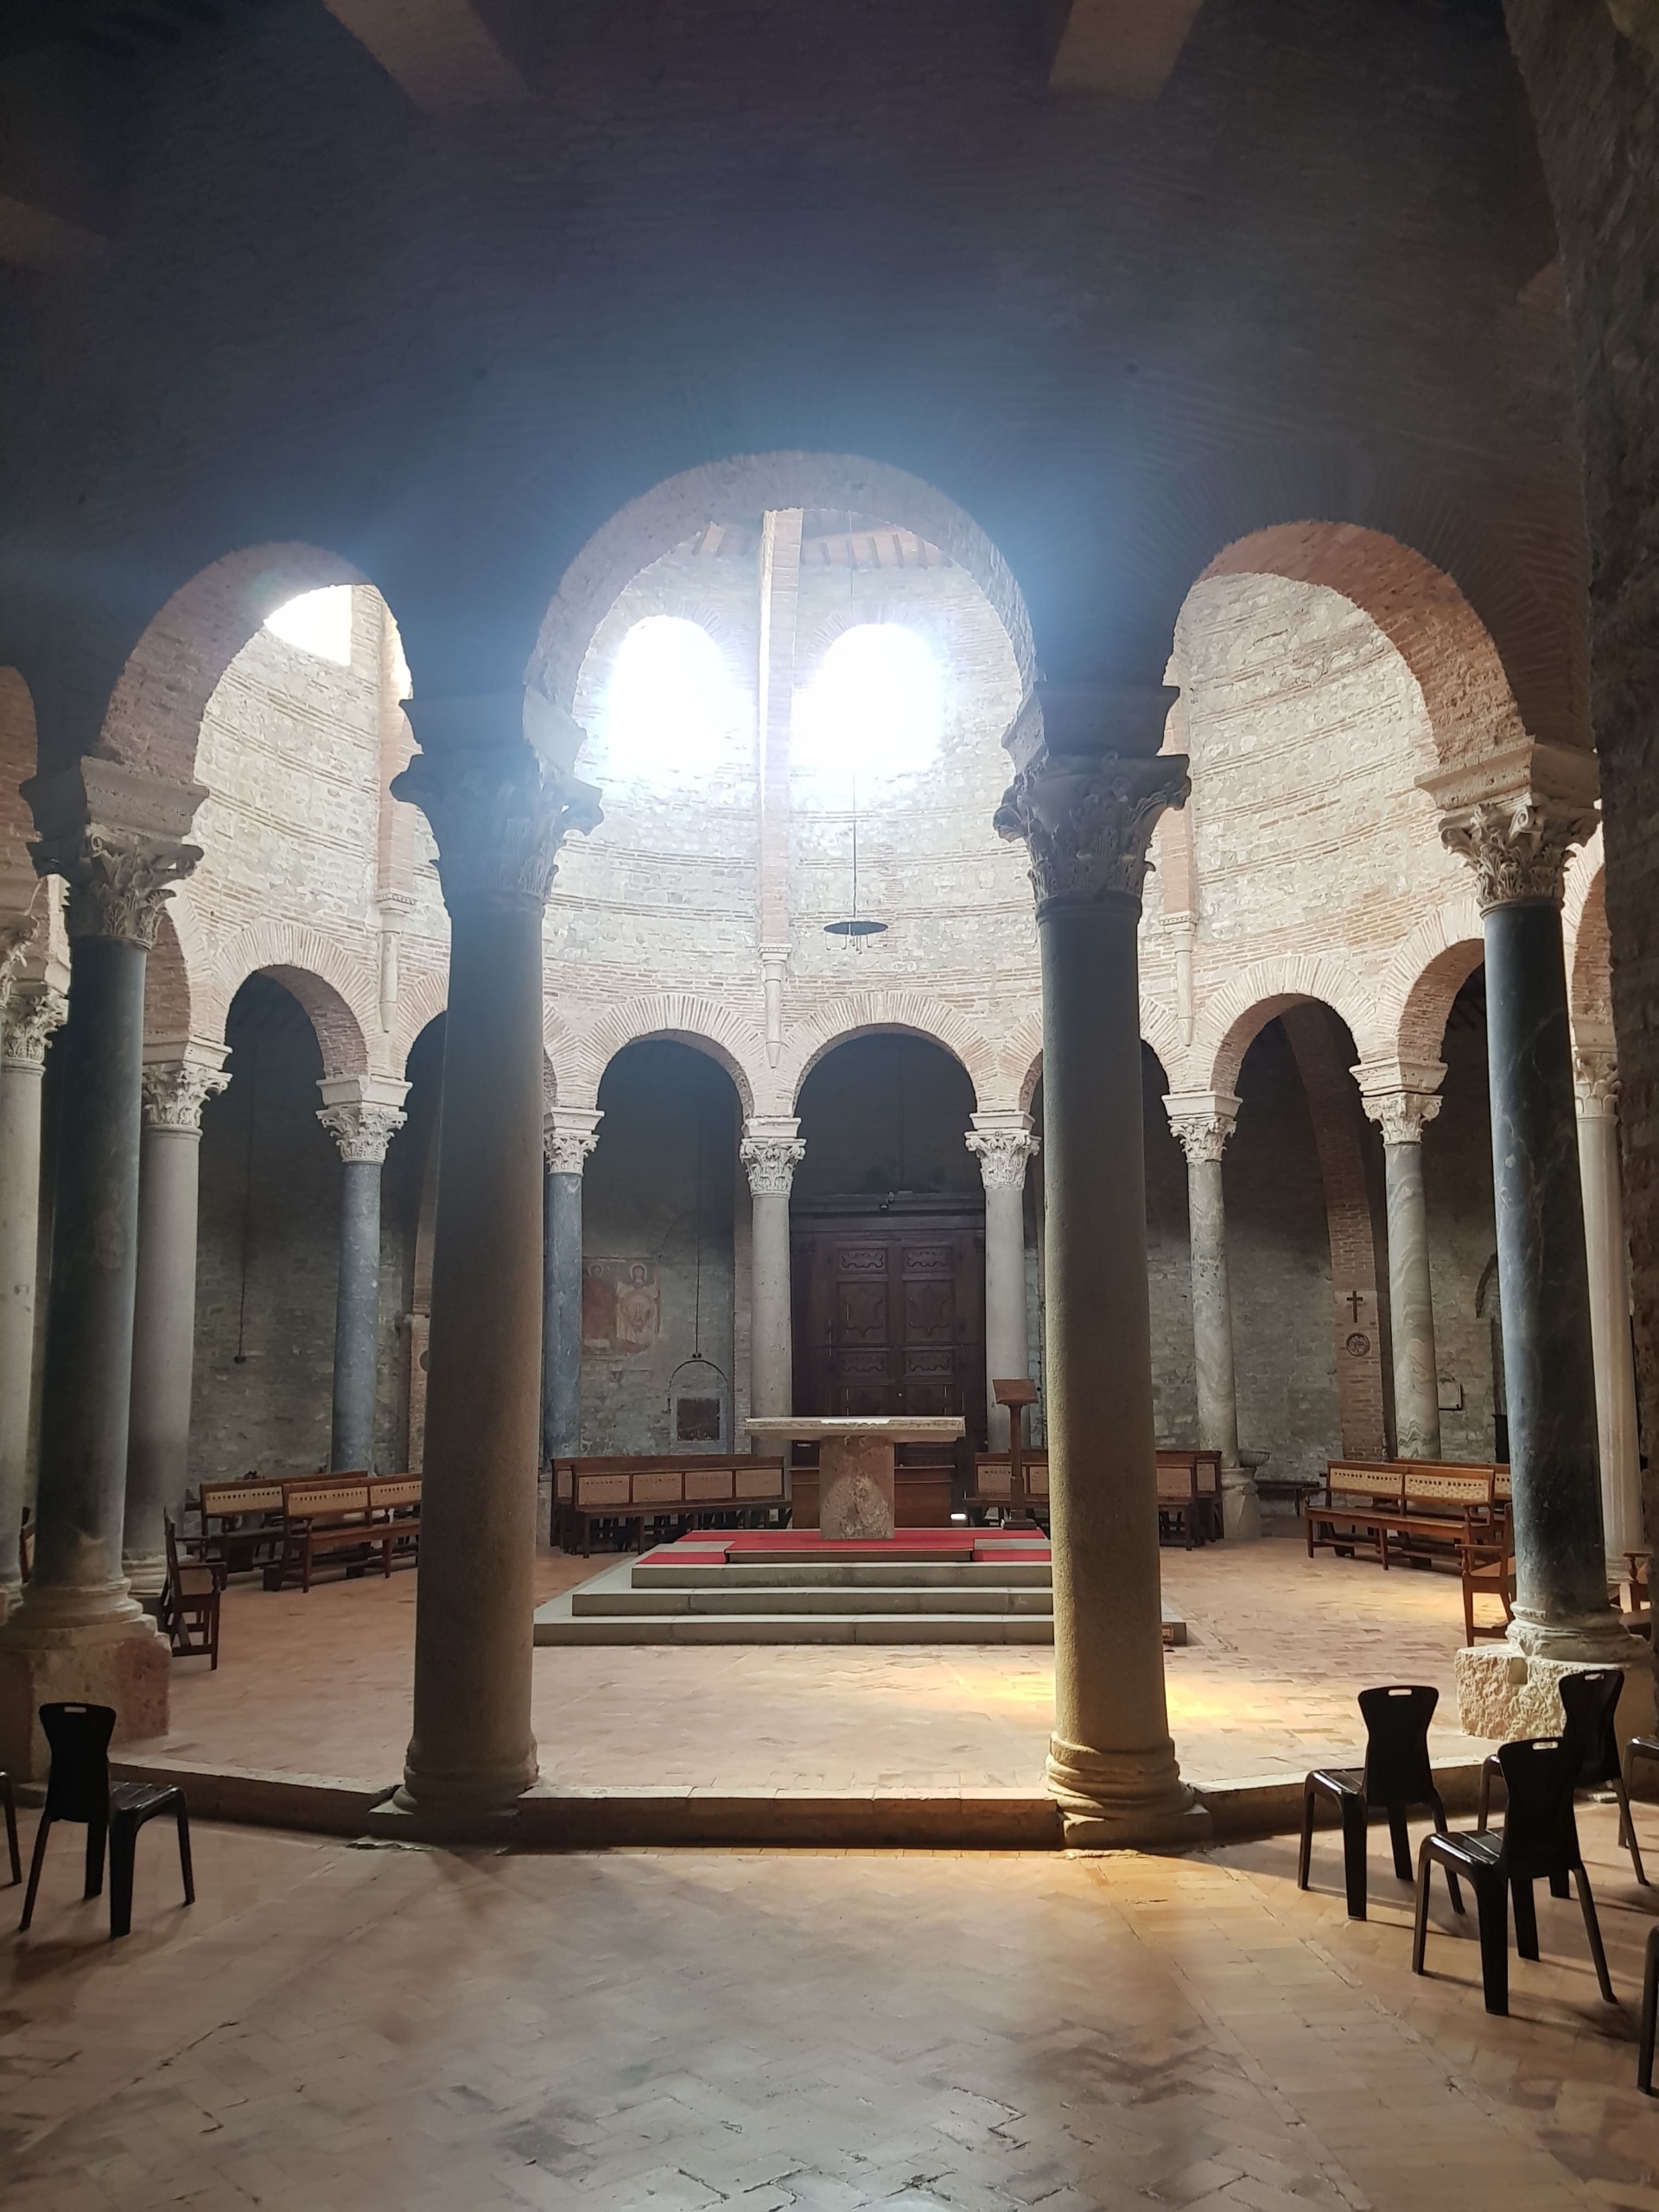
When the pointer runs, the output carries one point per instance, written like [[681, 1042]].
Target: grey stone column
[[29, 1019], [1201, 1123], [500, 813], [771, 1151], [567, 1138], [1003, 1149], [1085, 797], [78, 1632], [164, 1309], [1403, 1101], [362, 1126], [1516, 830], [1607, 1257]]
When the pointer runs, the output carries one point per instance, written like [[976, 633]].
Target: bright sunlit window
[[873, 707], [670, 704], [319, 622]]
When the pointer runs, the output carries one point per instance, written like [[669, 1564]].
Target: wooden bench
[[690, 1490], [993, 1482], [328, 1517], [396, 1500], [241, 1522], [1189, 1491], [1416, 1510]]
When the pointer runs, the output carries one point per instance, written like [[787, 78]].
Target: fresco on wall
[[621, 1308]]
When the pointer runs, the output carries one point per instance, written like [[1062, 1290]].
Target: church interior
[[829, 1250]]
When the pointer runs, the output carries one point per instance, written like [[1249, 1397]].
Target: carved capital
[[362, 1130], [499, 816], [567, 1138], [1403, 1116], [770, 1160], [1516, 819], [1088, 822], [34, 1014], [176, 1090], [1201, 1126], [1595, 1083], [1003, 1155], [16, 934], [120, 880]]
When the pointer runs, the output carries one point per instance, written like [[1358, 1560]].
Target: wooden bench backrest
[[1430, 1482], [655, 1482], [994, 1479], [220, 1500], [1178, 1477], [391, 1492], [313, 1495], [1376, 1481]]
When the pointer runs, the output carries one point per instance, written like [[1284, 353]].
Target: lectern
[[1016, 1392]]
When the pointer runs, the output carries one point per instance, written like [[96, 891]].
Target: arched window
[[670, 705], [873, 707], [319, 622]]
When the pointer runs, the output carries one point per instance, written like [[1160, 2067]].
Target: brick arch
[[912, 1012], [423, 995], [1451, 654], [154, 717], [1589, 951], [171, 993], [1478, 541], [704, 1024], [1425, 972], [1231, 1019], [339, 994], [736, 490], [17, 764]]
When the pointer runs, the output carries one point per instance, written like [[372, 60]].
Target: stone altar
[[855, 1463]]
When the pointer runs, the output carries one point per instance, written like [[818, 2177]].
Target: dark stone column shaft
[[357, 1316], [562, 1318]]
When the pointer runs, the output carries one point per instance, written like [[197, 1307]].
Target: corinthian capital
[[176, 1090], [1516, 819], [567, 1137], [1201, 1122], [1595, 1083], [499, 815], [34, 1012], [362, 1131], [770, 1153], [1003, 1151], [1088, 788], [120, 880]]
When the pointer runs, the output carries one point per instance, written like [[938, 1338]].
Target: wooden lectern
[[1016, 1392]]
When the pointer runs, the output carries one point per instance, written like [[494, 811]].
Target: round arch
[[17, 762], [1589, 960], [332, 989], [704, 1024], [1425, 973], [892, 1012], [1243, 1006]]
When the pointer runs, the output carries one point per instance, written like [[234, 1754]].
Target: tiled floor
[[1279, 1643], [395, 2030]]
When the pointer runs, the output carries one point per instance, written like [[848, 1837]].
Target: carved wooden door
[[889, 1317]]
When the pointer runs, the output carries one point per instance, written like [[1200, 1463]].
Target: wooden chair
[[8, 1804], [1540, 1840], [190, 1600], [1487, 1572], [1397, 1775], [1590, 1700], [78, 1789]]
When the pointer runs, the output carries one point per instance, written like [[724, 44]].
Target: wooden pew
[[241, 1522], [690, 1489], [328, 1517], [396, 1500], [1417, 1509]]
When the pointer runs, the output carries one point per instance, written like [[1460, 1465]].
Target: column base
[[146, 1573], [121, 1662], [1241, 1509], [455, 1804], [1506, 1694], [1125, 1801]]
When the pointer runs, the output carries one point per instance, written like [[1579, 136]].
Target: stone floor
[[319, 1684], [396, 2029]]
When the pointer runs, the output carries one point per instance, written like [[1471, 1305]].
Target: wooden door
[[889, 1317]]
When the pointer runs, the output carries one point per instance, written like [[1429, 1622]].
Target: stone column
[[567, 1138], [1202, 1122], [771, 1151], [29, 1019], [1003, 1148], [164, 1309], [500, 813], [78, 1632], [1515, 820], [1086, 794], [362, 1114], [1402, 1101], [1607, 1256]]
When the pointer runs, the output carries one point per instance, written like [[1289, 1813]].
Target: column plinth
[[1203, 1123], [1515, 821], [27, 1023], [164, 1313], [771, 1151], [1402, 1101], [1004, 1149], [499, 815], [1084, 800], [78, 1632], [363, 1115]]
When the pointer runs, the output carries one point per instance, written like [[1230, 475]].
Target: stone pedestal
[[1086, 795], [1504, 1694], [1203, 1123], [124, 1663], [1003, 1148]]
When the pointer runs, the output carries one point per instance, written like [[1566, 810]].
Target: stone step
[[598, 1604], [964, 1575], [797, 1628]]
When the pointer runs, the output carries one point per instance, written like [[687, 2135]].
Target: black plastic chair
[[1650, 2013], [78, 1789], [1397, 1775], [9, 1802], [1590, 1700], [1539, 1841]]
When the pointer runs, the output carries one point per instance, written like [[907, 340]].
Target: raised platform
[[921, 1585]]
